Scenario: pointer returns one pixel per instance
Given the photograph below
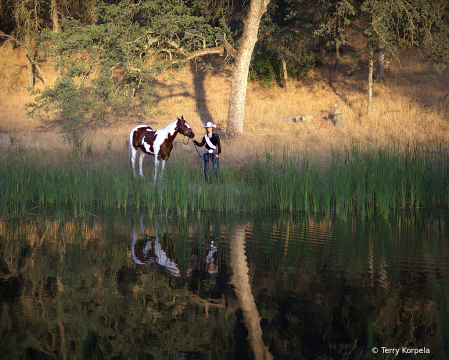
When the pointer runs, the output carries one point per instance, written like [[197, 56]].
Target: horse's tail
[[130, 150], [133, 143], [134, 137]]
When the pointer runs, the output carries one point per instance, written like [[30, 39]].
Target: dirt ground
[[412, 105]]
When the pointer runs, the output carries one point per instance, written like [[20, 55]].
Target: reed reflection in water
[[120, 285]]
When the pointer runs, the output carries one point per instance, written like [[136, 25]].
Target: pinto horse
[[158, 143]]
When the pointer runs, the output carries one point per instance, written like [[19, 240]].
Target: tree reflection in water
[[245, 298], [221, 287]]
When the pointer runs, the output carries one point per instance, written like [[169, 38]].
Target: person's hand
[[217, 156]]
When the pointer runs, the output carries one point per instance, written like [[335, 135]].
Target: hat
[[209, 124]]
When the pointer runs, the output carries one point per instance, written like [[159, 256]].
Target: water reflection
[[147, 250], [242, 287], [120, 285]]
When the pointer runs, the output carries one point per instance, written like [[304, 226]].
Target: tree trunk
[[245, 298], [337, 56], [337, 47], [370, 82], [381, 63], [54, 15], [44, 80], [30, 59], [284, 69], [240, 73]]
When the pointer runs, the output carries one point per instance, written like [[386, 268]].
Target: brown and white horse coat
[[158, 143]]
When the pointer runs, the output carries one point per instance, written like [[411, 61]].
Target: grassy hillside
[[412, 105]]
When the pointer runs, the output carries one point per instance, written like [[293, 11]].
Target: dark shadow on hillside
[[164, 92], [337, 78], [200, 75], [200, 92]]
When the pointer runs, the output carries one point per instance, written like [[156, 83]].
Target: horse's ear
[[182, 117]]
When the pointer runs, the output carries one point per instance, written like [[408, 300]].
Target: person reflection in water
[[211, 239], [212, 267]]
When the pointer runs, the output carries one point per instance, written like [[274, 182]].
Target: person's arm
[[200, 144]]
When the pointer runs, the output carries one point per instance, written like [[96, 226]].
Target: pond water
[[119, 285]]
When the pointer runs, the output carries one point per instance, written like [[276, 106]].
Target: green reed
[[360, 179], [343, 190]]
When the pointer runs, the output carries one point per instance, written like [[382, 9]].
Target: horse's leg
[[142, 155], [133, 159], [163, 166], [156, 167]]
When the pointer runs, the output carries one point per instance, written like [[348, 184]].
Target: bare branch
[[179, 48], [169, 53], [12, 38], [230, 49], [39, 70], [189, 56], [27, 50]]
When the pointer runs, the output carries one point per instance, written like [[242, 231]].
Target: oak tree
[[239, 80]]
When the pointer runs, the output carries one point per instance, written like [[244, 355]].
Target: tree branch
[[11, 38], [205, 51], [27, 51], [230, 49], [355, 27], [189, 56], [177, 47]]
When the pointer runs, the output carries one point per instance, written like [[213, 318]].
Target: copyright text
[[401, 350]]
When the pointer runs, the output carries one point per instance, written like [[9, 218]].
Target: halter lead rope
[[197, 151], [187, 140]]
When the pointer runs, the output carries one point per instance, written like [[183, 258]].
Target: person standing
[[213, 149]]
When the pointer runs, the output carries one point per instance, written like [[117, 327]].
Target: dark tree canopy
[[105, 67]]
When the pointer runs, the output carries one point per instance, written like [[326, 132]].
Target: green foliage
[[267, 67], [264, 70], [76, 140], [393, 25], [282, 39], [105, 68], [435, 31], [337, 19]]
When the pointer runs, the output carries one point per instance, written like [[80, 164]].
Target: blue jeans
[[210, 156]]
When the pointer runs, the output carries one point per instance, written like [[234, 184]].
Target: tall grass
[[360, 179]]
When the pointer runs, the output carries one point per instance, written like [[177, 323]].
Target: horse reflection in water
[[148, 250]]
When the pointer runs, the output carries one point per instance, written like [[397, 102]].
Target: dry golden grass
[[410, 106]]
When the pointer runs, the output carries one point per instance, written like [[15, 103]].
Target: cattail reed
[[361, 179]]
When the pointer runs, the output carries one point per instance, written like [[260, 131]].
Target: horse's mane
[[168, 126]]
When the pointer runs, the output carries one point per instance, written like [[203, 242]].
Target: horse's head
[[184, 128]]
